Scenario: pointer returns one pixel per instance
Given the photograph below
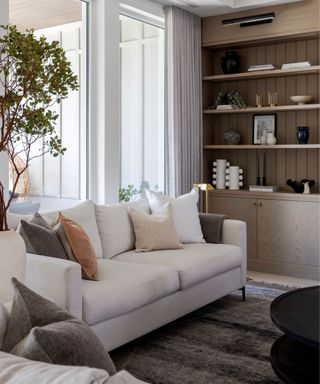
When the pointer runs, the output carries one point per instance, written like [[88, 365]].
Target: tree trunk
[[3, 210]]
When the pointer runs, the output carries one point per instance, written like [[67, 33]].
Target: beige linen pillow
[[155, 231]]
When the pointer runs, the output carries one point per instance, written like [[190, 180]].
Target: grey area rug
[[226, 342]]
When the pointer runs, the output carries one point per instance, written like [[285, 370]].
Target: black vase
[[302, 135], [230, 62]]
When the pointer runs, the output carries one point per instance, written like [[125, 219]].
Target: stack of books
[[226, 106], [263, 188], [262, 67], [298, 65]]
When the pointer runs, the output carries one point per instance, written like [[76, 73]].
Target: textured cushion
[[17, 370], [123, 287], [39, 220], [212, 226], [185, 214], [155, 231], [39, 329], [84, 215], [81, 247], [40, 240], [4, 319], [115, 226], [194, 263]]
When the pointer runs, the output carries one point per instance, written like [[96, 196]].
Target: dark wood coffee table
[[295, 355]]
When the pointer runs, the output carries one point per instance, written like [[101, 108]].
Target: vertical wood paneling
[[281, 164]]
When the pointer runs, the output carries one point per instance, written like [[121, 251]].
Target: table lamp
[[205, 187]]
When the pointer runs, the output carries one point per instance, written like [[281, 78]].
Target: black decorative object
[[232, 137], [302, 135], [231, 97], [230, 62], [298, 186]]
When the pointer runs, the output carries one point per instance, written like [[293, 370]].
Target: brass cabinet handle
[[261, 204], [254, 204]]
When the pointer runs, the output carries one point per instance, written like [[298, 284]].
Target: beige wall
[[39, 14], [291, 19]]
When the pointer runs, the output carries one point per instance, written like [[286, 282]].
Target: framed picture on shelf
[[262, 125]]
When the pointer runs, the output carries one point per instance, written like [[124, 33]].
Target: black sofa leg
[[243, 289]]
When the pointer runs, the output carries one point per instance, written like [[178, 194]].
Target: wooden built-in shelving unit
[[257, 147], [282, 227], [286, 159], [278, 108], [264, 74]]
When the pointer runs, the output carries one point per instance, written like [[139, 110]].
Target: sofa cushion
[[155, 231], [81, 247], [194, 263], [115, 226], [40, 330], [84, 215], [18, 370], [40, 240], [123, 287], [185, 214]]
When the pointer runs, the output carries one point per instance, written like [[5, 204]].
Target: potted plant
[[34, 76]]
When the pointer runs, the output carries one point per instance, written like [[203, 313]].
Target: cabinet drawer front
[[288, 232], [239, 209]]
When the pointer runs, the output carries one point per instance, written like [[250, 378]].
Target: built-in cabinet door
[[288, 232], [239, 209]]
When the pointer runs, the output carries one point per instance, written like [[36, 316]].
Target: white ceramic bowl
[[301, 99]]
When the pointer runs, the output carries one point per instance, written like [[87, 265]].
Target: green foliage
[[134, 193], [230, 98], [35, 75]]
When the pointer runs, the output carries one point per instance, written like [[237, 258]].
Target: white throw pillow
[[185, 214], [115, 226], [84, 215], [155, 231], [17, 370]]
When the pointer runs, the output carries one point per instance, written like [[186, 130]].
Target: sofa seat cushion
[[123, 287], [194, 263]]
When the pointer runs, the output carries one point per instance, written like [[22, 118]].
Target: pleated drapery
[[183, 129]]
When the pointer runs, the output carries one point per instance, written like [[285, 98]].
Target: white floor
[[282, 280]]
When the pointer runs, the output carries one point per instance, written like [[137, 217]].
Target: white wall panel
[[4, 164], [131, 114], [70, 161], [142, 106], [60, 176]]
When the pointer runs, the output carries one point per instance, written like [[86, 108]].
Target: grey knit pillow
[[41, 240], [40, 330]]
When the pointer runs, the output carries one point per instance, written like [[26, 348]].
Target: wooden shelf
[[266, 195], [264, 74], [278, 108], [258, 146]]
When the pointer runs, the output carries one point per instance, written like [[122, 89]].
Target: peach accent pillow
[[81, 246]]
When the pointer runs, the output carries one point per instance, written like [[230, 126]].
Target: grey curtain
[[183, 131]]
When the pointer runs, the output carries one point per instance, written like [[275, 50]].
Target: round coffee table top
[[296, 313]]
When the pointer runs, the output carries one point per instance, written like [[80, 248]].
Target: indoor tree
[[34, 75]]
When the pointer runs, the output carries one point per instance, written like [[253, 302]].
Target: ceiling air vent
[[250, 20]]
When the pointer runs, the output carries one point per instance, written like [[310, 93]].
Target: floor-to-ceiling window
[[142, 104], [60, 181]]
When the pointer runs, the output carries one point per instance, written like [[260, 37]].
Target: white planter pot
[[12, 262]]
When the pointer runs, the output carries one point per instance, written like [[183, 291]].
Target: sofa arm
[[235, 233], [56, 279]]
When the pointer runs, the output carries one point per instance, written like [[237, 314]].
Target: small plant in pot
[[34, 75]]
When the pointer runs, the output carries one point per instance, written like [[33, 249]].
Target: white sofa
[[138, 292]]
